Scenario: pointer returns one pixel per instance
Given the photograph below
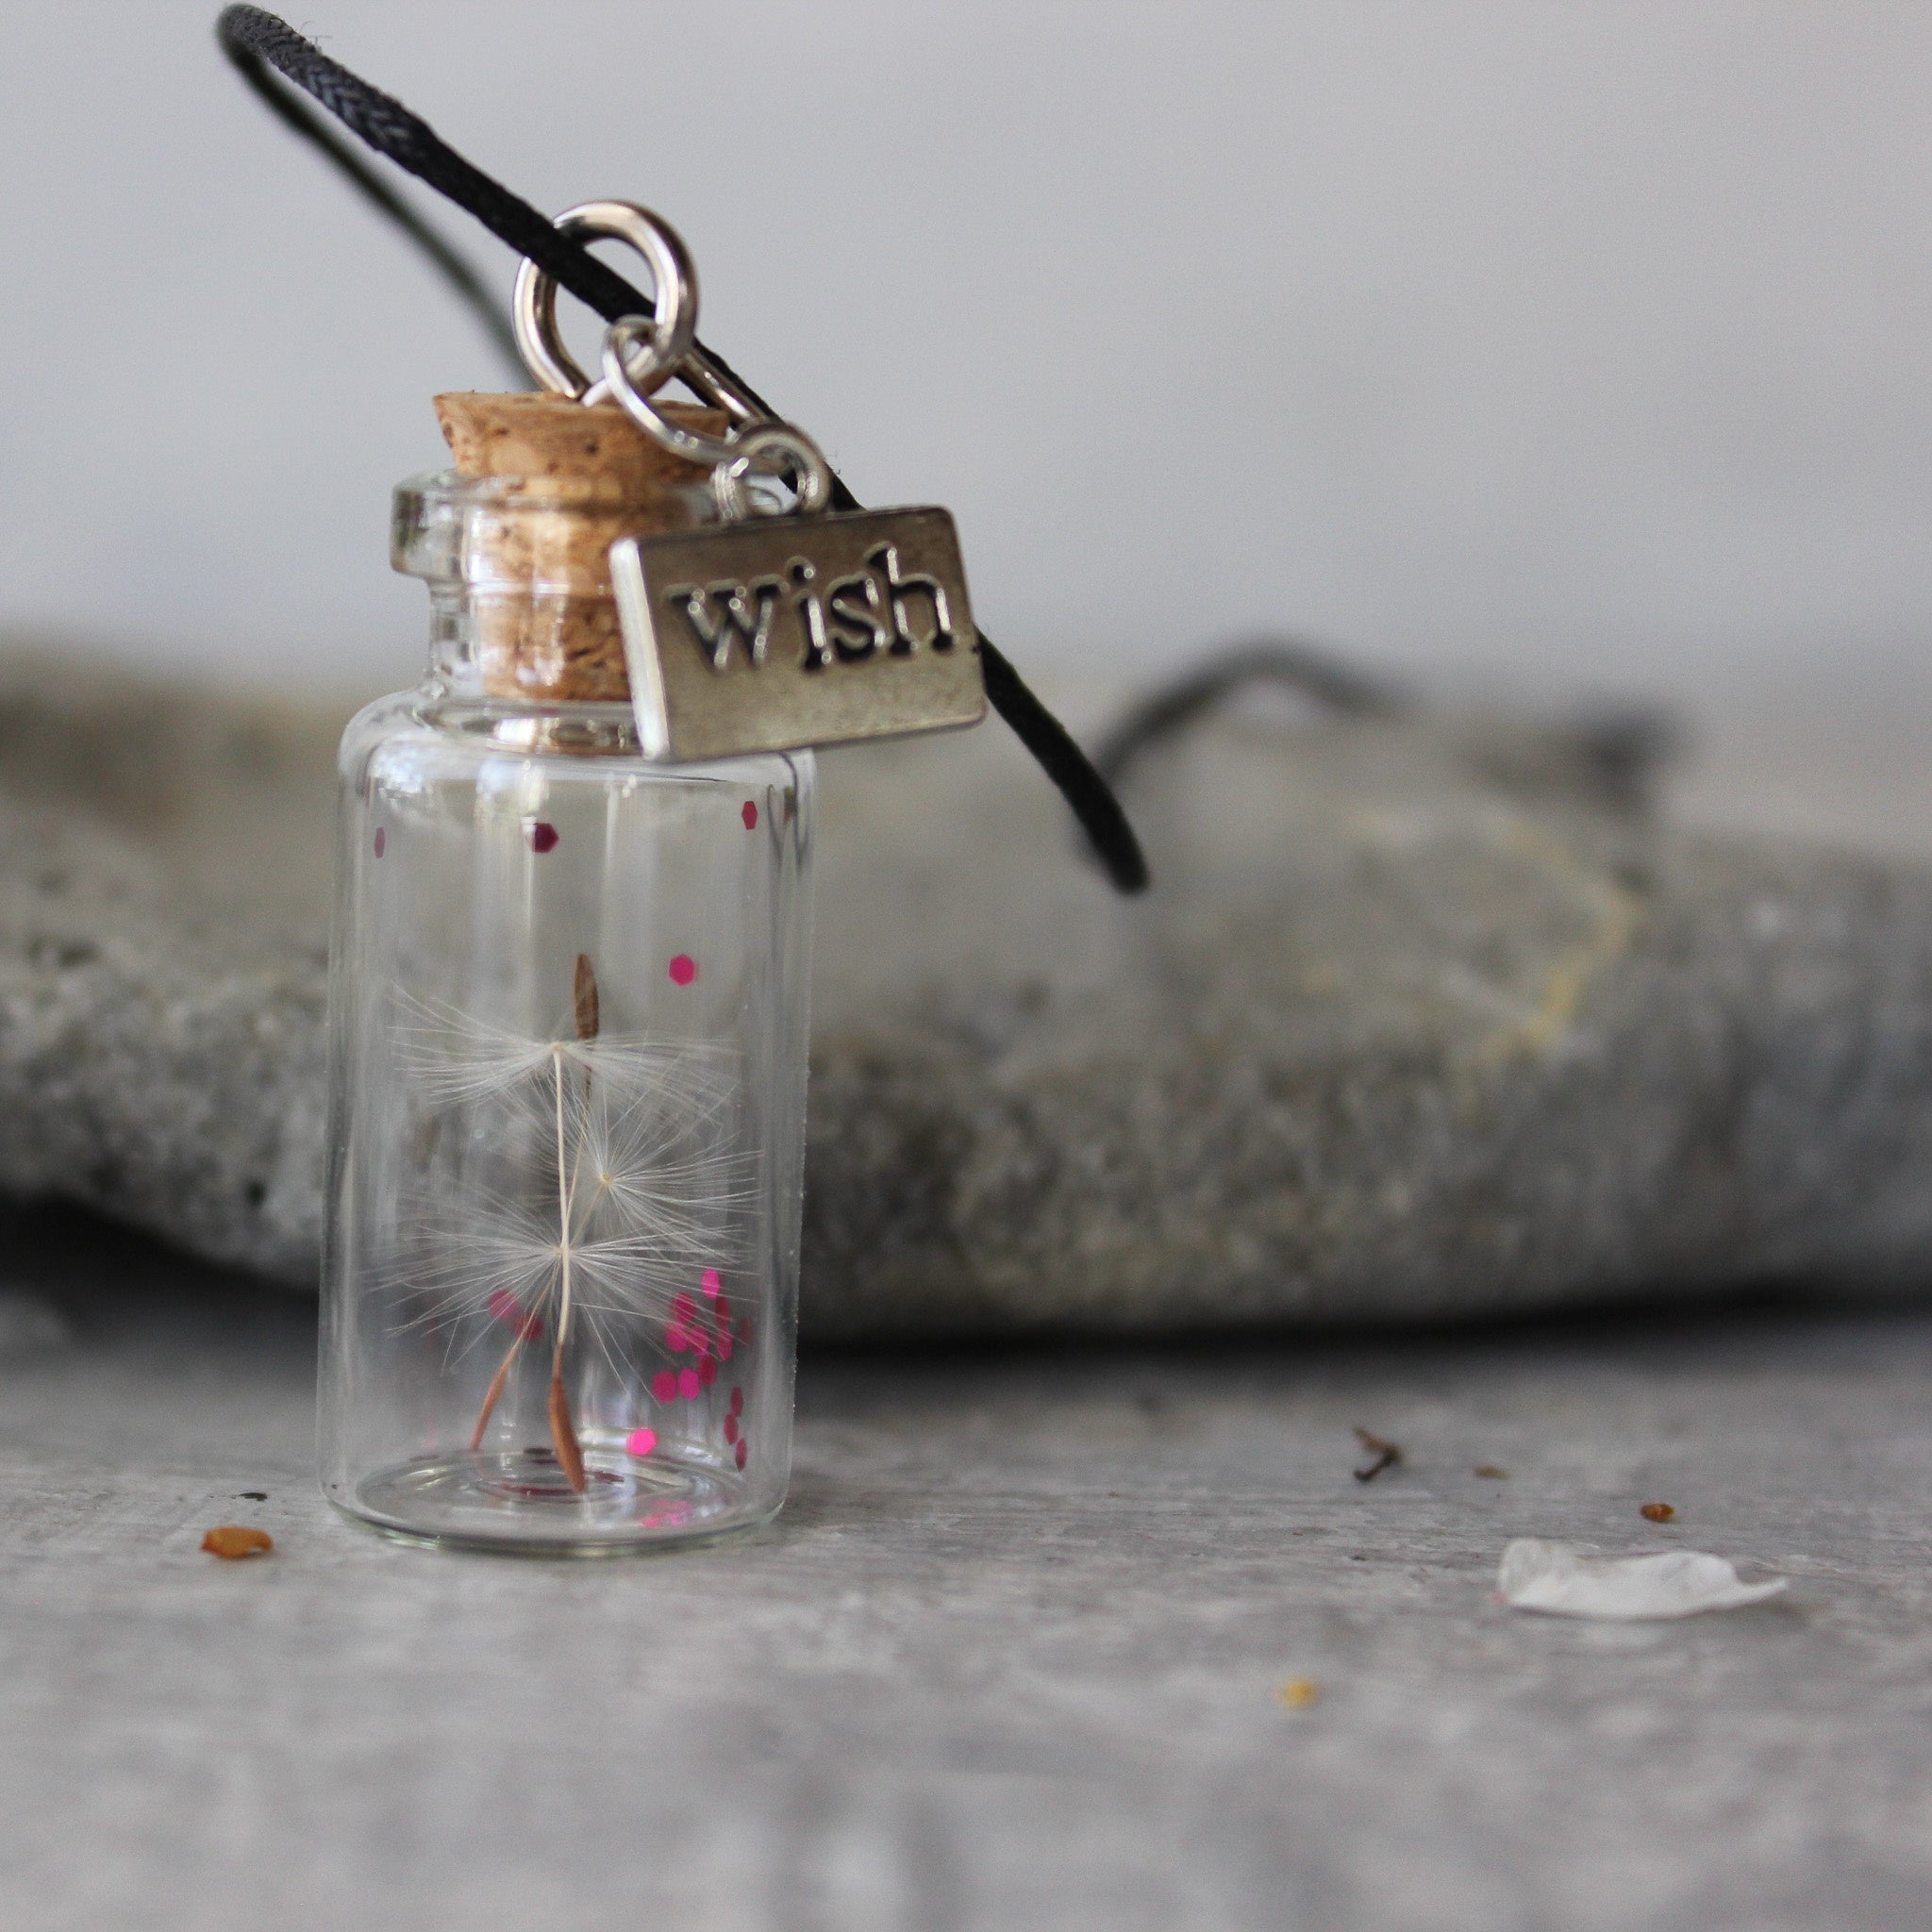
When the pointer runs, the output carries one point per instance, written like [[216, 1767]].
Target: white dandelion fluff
[[586, 1180]]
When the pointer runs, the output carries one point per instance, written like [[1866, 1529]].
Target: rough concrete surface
[[1415, 1021], [1012, 1657]]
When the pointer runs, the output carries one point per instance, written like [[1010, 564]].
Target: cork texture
[[544, 622]]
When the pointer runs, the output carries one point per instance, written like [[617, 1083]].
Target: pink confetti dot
[[707, 1372], [510, 1311], [737, 1400], [543, 836], [741, 1452], [750, 816], [732, 1428], [723, 1346], [684, 969], [675, 1337], [712, 1281], [381, 840], [664, 1386], [700, 1342], [640, 1441], [688, 1383], [683, 1308]]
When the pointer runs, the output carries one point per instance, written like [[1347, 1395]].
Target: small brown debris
[[1656, 1512], [1384, 1455], [233, 1540], [1490, 1472], [1297, 1693]]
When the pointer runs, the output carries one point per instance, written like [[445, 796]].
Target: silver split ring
[[658, 344]]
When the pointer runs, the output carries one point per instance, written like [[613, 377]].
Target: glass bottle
[[568, 1020]]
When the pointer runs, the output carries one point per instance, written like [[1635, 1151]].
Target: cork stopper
[[543, 624]]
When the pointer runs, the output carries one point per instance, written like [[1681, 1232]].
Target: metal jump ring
[[766, 440], [670, 333], [620, 341], [730, 458]]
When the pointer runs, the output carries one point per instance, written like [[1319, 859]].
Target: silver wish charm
[[797, 630]]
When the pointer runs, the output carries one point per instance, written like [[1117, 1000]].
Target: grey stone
[[1419, 1020], [1008, 1659], [1394, 1035]]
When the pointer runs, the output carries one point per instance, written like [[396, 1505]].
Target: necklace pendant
[[780, 632]]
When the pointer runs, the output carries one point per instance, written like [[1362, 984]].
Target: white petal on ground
[[1537, 1575]]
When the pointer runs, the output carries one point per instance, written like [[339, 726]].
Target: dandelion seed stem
[[562, 1426], [564, 1218], [563, 1431], [492, 1395]]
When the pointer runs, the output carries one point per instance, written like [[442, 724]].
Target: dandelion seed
[[597, 1176], [584, 998]]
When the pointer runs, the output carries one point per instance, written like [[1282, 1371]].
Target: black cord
[[1333, 684], [253, 39]]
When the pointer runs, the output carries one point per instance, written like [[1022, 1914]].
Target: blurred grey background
[[1582, 345]]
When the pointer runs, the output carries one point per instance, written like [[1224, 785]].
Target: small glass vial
[[568, 1012]]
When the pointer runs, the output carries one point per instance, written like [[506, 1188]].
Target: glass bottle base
[[520, 1502]]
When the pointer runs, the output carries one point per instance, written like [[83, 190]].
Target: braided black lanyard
[[255, 40]]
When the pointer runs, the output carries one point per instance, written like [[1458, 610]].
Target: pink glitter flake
[[676, 1337], [640, 1441], [683, 1308], [664, 1386], [712, 1281], [750, 816], [684, 969], [544, 835], [707, 1372], [510, 1311], [737, 1400], [739, 1459], [731, 1428], [381, 840], [723, 1345], [688, 1383]]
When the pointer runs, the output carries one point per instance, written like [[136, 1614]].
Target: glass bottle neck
[[521, 608]]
